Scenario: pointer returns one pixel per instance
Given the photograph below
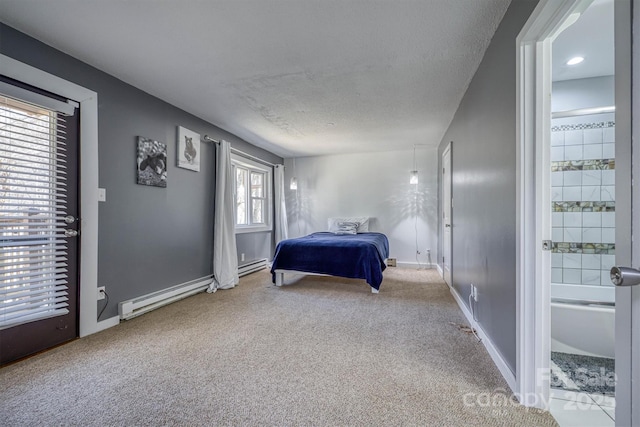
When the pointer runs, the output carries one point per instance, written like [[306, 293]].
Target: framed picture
[[152, 162], [188, 151]]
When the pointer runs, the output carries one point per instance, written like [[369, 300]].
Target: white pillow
[[362, 221], [345, 227]]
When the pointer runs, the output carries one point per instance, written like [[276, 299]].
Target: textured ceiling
[[297, 77]]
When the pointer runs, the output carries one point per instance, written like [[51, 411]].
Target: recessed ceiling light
[[575, 60]]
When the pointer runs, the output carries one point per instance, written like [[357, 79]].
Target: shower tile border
[[583, 165], [581, 126], [583, 206], [583, 248]]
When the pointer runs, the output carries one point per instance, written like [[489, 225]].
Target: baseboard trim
[[497, 358], [440, 270], [108, 323]]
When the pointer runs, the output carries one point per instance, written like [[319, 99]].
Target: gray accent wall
[[150, 238], [483, 132]]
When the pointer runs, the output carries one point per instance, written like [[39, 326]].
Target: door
[[38, 221], [628, 295], [446, 215]]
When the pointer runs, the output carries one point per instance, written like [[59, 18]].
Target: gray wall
[[149, 238], [483, 132]]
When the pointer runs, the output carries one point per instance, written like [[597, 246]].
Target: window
[[252, 195]]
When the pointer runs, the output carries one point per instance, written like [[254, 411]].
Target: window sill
[[253, 229]]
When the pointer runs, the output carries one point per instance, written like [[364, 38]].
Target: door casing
[[88, 101], [447, 211]]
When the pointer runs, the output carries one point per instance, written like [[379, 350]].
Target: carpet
[[319, 351]]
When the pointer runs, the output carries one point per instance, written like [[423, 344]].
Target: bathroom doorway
[[583, 203], [534, 210]]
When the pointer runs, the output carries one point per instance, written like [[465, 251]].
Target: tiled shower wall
[[583, 202]]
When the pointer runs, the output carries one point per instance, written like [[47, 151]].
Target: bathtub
[[583, 320]]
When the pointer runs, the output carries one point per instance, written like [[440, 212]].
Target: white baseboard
[[440, 271], [108, 323], [497, 358], [404, 264]]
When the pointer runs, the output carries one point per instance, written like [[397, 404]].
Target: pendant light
[[413, 175]]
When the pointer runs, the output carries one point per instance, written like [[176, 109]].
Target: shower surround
[[583, 203]]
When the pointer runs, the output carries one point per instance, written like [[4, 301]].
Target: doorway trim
[[446, 169], [88, 283], [533, 112]]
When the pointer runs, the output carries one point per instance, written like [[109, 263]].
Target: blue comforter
[[356, 256]]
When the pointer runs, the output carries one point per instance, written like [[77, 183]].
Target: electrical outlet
[[241, 257], [391, 262], [101, 291]]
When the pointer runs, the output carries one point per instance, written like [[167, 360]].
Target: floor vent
[[252, 266]]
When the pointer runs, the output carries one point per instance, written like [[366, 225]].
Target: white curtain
[[281, 226], [225, 256]]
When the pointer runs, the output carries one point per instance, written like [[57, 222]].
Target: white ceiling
[[296, 77], [591, 37]]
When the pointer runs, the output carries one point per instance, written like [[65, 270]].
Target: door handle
[[625, 276]]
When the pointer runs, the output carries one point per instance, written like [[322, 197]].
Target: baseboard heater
[[145, 303], [252, 266]]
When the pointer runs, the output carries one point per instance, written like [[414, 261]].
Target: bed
[[355, 256]]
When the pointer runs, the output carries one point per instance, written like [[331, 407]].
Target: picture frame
[[188, 149], [151, 162]]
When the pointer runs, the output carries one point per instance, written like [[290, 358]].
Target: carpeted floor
[[320, 352]]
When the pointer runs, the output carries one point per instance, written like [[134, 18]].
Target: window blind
[[33, 251]]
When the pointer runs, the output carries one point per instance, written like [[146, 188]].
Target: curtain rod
[[582, 112], [242, 153]]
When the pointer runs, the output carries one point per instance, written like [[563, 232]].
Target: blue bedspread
[[356, 256]]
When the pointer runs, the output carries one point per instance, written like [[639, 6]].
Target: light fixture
[[413, 175], [293, 185], [575, 60]]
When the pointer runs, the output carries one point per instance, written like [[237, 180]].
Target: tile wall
[[583, 202]]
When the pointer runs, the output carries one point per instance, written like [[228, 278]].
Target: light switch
[[102, 194]]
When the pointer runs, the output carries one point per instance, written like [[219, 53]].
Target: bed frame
[[280, 277]]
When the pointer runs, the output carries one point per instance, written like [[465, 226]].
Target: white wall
[[370, 184], [582, 93]]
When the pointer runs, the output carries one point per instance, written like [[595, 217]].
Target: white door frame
[[88, 100], [447, 235], [533, 213]]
